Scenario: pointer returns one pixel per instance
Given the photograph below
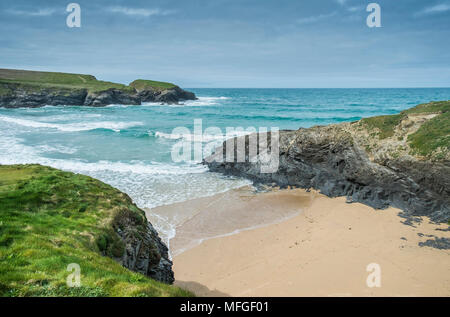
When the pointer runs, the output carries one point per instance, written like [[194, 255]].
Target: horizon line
[[441, 87]]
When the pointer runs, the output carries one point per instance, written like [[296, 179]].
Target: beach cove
[[324, 250]]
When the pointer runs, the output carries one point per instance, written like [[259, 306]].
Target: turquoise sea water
[[129, 147]]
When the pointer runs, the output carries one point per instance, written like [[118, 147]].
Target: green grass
[[384, 124], [32, 80], [49, 219], [432, 135], [141, 84], [429, 108]]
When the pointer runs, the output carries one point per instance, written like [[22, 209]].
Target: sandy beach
[[298, 243]]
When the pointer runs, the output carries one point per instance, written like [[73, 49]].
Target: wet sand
[[229, 213], [304, 244]]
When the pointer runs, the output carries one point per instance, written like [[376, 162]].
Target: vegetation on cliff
[[32, 80], [21, 88], [49, 219], [141, 84], [422, 131]]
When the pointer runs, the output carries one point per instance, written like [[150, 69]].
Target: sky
[[234, 43]]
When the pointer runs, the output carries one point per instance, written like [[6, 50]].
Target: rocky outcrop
[[143, 252], [111, 96], [337, 161], [169, 96], [20, 88], [20, 95]]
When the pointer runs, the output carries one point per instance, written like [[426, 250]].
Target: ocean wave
[[56, 148], [72, 127], [306, 118], [200, 102], [204, 101], [199, 137], [135, 167], [13, 151], [68, 116]]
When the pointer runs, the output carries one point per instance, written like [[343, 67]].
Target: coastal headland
[[21, 88]]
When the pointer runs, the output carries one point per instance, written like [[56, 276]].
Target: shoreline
[[323, 250], [224, 214]]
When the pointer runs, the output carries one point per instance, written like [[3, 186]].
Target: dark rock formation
[[144, 252], [333, 159], [17, 94], [169, 96], [22, 96], [111, 96]]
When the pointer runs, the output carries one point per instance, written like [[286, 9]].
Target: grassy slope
[[32, 80], [49, 219], [433, 134], [141, 84]]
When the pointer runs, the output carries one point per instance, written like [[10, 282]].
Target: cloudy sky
[[234, 43]]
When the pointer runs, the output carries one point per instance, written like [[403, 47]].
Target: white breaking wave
[[203, 101], [132, 167], [69, 116], [199, 138], [200, 102], [72, 127], [14, 152], [190, 137]]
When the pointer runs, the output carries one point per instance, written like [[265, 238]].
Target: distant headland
[[22, 88]]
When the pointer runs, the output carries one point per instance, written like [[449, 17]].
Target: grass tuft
[[35, 81], [141, 84]]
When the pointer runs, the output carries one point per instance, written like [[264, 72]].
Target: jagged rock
[[168, 96], [22, 96], [111, 96], [143, 251]]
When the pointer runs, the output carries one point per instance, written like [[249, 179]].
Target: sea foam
[[72, 127]]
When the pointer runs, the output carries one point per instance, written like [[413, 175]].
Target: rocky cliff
[[401, 161], [36, 89], [151, 91], [144, 252]]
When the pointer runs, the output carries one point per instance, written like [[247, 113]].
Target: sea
[[137, 148]]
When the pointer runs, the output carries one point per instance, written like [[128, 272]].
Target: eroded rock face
[[23, 96], [111, 96], [169, 96], [330, 159], [144, 252]]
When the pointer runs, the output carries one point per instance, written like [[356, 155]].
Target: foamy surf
[[198, 137], [72, 127], [200, 102]]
